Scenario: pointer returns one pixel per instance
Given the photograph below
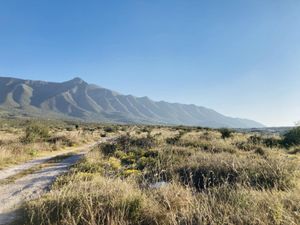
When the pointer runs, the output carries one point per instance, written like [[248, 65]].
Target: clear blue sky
[[241, 58]]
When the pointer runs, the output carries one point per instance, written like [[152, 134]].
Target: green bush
[[125, 142], [271, 142], [35, 132], [110, 129], [63, 140], [108, 149], [145, 143], [255, 140], [225, 132], [292, 137], [173, 140]]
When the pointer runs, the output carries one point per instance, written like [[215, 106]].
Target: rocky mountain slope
[[78, 99]]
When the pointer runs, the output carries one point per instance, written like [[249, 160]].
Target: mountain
[[79, 100]]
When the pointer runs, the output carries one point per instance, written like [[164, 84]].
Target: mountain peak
[[77, 79]]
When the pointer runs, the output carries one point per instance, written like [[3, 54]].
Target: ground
[[153, 175]]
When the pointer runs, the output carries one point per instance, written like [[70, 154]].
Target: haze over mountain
[[80, 100]]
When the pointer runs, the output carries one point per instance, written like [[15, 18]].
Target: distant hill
[[79, 100]]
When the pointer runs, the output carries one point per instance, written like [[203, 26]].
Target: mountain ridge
[[78, 99]]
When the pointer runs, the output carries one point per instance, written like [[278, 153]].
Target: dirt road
[[11, 171], [31, 186]]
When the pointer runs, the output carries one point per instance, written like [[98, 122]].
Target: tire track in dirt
[[34, 185]]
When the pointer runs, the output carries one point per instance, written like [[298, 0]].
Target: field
[[22, 140], [161, 175]]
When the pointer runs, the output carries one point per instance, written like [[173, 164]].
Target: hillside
[[80, 100]]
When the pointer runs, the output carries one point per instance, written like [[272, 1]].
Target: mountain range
[[76, 99]]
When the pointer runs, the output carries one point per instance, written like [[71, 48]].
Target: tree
[[292, 137], [225, 132]]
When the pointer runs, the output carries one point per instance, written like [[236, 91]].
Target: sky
[[240, 58]]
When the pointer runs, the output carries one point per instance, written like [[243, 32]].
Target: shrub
[[110, 129], [214, 170], [34, 132], [103, 135], [225, 132], [145, 143], [255, 140], [271, 142], [108, 149], [89, 167], [173, 140], [65, 141], [292, 137], [125, 142], [260, 151]]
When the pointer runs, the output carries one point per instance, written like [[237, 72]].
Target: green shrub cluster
[[226, 133], [35, 132], [110, 129], [133, 153], [292, 137]]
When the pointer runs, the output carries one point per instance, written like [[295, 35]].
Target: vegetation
[[292, 137], [21, 140], [177, 175], [225, 132], [34, 132]]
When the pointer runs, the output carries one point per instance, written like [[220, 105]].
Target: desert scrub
[[58, 142], [225, 133], [292, 137], [133, 153], [202, 140], [125, 142], [22, 140], [208, 170], [215, 165], [100, 200], [34, 132], [93, 162], [243, 205], [111, 129], [199, 179]]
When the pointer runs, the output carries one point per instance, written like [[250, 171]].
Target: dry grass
[[94, 199], [15, 148], [202, 179]]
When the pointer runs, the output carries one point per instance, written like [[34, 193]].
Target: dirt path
[[33, 185], [11, 171]]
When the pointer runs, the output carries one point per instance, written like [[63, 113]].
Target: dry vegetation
[[22, 140], [161, 175]]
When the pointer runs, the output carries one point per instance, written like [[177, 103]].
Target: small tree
[[292, 137], [225, 132]]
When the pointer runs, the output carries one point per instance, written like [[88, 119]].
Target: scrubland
[[177, 175], [22, 140]]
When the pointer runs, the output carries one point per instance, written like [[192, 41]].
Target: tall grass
[[172, 179], [91, 200], [23, 140]]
